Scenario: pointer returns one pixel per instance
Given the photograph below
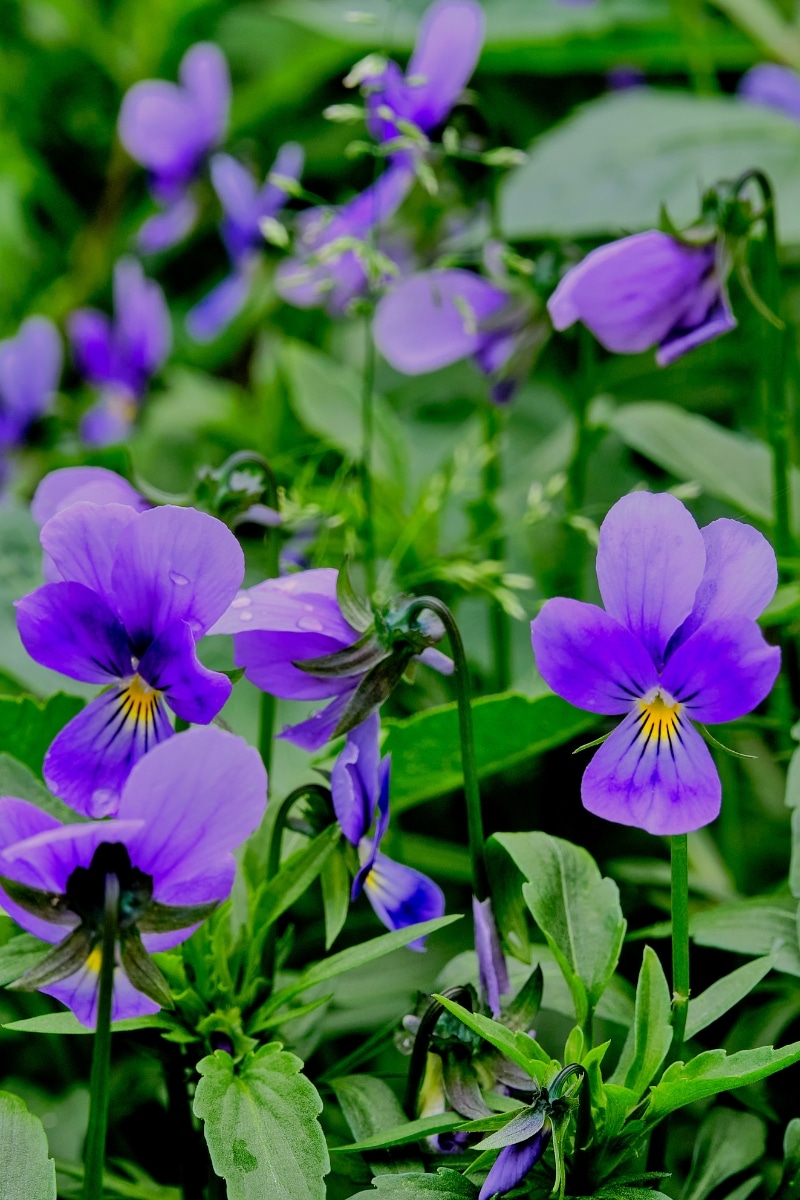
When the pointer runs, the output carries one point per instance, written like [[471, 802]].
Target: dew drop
[[308, 607], [241, 602], [245, 616], [178, 580], [310, 625]]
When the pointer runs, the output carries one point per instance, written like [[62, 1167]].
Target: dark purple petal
[[656, 775], [142, 326], [111, 419], [218, 308], [69, 485], [92, 756], [432, 319], [512, 1165], [201, 794], [773, 86], [192, 691], [204, 74], [402, 896], [175, 564], [589, 658], [708, 317], [169, 226], [81, 542], [354, 779], [30, 368], [80, 992], [448, 47], [650, 562], [368, 847], [312, 734], [492, 969], [92, 346], [724, 670], [69, 628]]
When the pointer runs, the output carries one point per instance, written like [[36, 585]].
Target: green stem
[[469, 767], [367, 440], [700, 63], [101, 1058], [679, 844], [582, 398], [492, 480], [419, 1055]]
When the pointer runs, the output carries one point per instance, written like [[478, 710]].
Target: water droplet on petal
[[308, 607], [178, 580], [241, 602], [310, 625], [245, 616]]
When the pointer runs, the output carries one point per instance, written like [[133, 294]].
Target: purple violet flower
[[436, 318], [170, 129], [170, 848], [773, 86], [128, 597], [119, 359], [244, 206], [447, 50], [30, 368], [71, 485], [515, 1160], [646, 290], [677, 642]]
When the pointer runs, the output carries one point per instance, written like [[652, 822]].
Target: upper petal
[[236, 189], [205, 76], [313, 733], [141, 317], [54, 853], [30, 367], [174, 564], [774, 86], [448, 47], [650, 562], [90, 337], [20, 820], [589, 658], [708, 318], [95, 485], [81, 541], [304, 602], [69, 628], [724, 670], [159, 128]]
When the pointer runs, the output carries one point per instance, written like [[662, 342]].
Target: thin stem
[[699, 60], [367, 440], [469, 766], [101, 1058], [492, 481], [419, 1055], [679, 844]]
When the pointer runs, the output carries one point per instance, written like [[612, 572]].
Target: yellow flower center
[[95, 960], [659, 719], [139, 700]]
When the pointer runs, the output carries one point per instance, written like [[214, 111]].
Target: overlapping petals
[[94, 485]]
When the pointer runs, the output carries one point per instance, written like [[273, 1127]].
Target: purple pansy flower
[[447, 50], [646, 290], [774, 87], [677, 642], [119, 359], [130, 594], [516, 1159], [94, 485], [30, 368], [170, 129], [438, 317], [170, 848], [244, 206]]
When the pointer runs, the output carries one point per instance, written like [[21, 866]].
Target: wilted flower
[[492, 969], [169, 850], [774, 87], [94, 485], [129, 596], [677, 642], [245, 206], [647, 290], [30, 367], [170, 129], [119, 359]]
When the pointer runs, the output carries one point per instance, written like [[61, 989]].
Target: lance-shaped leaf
[[721, 996], [714, 1072], [63, 960], [48, 906], [142, 971], [524, 1008], [364, 654], [523, 1125], [376, 687], [354, 610], [166, 918], [728, 1142], [261, 1124], [26, 1171], [519, 1047], [650, 1035]]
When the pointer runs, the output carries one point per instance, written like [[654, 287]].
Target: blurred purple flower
[[774, 87], [94, 485], [447, 50], [170, 129], [439, 317], [244, 206], [30, 368], [129, 596], [677, 642], [170, 849], [119, 359], [646, 290]]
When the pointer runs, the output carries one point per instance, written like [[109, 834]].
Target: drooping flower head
[[120, 358], [129, 595], [647, 290], [773, 86], [244, 206], [170, 129], [284, 631], [93, 485], [677, 642], [30, 368], [439, 317], [183, 810]]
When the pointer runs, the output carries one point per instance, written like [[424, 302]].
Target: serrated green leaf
[[728, 1142], [261, 1125], [727, 992], [714, 1072], [26, 1170], [650, 1035]]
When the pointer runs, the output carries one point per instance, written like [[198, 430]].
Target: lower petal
[[658, 781], [168, 227], [722, 671], [94, 754], [402, 896], [80, 993], [318, 729], [170, 665], [218, 308], [690, 333]]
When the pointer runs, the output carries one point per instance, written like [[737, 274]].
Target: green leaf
[[576, 909], [728, 1142], [714, 1072], [31, 725], [790, 1176], [366, 952], [297, 873], [727, 465], [326, 397], [510, 729], [261, 1125], [444, 1185], [335, 879], [370, 1107], [18, 780], [67, 1022], [26, 1170], [613, 163], [721, 996], [409, 1131], [519, 1047], [19, 954], [753, 927], [650, 1035]]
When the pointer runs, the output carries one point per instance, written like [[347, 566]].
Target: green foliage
[[713, 1072], [370, 1107], [728, 1142], [726, 993], [650, 1035], [29, 726], [446, 1184], [763, 926], [26, 1171], [18, 780], [261, 1125]]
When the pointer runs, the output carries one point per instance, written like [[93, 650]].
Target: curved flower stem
[[419, 1055], [480, 878], [679, 847], [367, 440], [492, 481], [101, 1058]]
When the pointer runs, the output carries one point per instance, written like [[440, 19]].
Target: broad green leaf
[[261, 1124], [713, 1072], [728, 1142], [519, 1047], [611, 165], [408, 1131], [370, 1107], [297, 874], [576, 909], [26, 1170], [30, 725], [18, 954], [67, 1022], [650, 1035], [444, 1185], [510, 729], [326, 397], [18, 780], [727, 992], [727, 465], [754, 927]]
